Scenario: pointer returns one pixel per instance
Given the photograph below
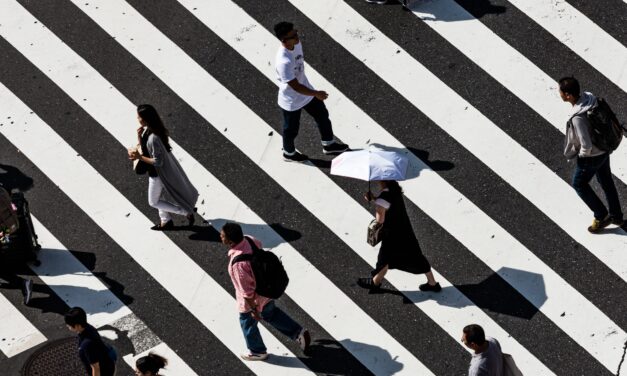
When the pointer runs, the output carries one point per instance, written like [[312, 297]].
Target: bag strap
[[240, 258], [246, 256], [252, 244]]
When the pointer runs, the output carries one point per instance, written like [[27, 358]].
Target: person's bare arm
[[304, 90], [380, 213], [95, 369]]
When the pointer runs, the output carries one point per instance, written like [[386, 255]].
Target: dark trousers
[[274, 316], [291, 123], [599, 166]]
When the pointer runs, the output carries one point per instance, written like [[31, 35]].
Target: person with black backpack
[[258, 277], [592, 133]]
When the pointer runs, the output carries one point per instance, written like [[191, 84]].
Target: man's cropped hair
[[233, 232], [570, 85], [76, 316], [282, 29], [474, 334]]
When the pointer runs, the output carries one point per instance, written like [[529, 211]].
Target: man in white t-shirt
[[487, 359], [296, 94]]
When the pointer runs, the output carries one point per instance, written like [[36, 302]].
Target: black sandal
[[368, 283], [162, 227]]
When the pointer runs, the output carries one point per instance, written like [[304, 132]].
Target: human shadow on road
[[493, 294], [267, 233], [442, 11], [12, 178]]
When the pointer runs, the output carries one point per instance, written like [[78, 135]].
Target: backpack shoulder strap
[[240, 258], [253, 246]]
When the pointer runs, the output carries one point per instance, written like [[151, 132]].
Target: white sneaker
[[304, 339], [254, 356]]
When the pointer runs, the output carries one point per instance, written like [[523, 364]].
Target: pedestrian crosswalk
[[503, 229]]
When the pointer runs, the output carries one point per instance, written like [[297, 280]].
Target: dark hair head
[[474, 334], [233, 232], [152, 120], [570, 85], [151, 363], [393, 186], [282, 29], [76, 316]]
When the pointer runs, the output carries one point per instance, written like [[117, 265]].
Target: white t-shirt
[[290, 65]]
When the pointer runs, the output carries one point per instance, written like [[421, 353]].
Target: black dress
[[399, 246]]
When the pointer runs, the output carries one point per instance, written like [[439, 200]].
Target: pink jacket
[[243, 278]]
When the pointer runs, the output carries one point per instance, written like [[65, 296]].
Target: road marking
[[176, 366], [17, 334], [128, 227], [581, 35]]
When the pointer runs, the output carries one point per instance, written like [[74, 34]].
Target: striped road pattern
[[465, 89]]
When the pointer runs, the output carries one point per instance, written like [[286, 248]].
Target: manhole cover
[[57, 358]]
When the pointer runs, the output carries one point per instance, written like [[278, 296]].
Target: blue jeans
[[599, 166], [273, 316], [291, 123]]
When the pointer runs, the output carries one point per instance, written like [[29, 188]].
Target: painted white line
[[581, 35], [176, 366], [430, 192], [256, 130], [17, 334], [128, 227], [308, 287]]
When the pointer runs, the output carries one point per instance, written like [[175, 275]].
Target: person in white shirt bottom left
[[296, 94]]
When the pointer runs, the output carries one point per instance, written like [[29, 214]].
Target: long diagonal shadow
[[492, 294]]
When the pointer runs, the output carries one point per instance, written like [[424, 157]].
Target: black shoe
[[169, 225], [599, 224], [428, 287], [28, 291], [296, 157], [368, 283], [617, 221], [334, 148]]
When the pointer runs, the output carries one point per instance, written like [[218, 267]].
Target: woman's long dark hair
[[150, 116], [151, 363]]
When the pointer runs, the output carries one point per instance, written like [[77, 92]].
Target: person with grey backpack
[[592, 133]]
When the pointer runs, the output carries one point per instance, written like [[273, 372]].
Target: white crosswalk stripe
[[357, 329], [17, 334], [580, 34]]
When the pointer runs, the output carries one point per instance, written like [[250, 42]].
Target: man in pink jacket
[[253, 307]]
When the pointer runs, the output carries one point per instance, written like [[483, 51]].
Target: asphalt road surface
[[466, 90]]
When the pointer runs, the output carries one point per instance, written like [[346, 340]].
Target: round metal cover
[[57, 358]]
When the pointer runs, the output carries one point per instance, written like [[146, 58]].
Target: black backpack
[[605, 130], [270, 277]]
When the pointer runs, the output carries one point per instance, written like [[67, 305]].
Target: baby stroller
[[17, 237], [17, 233]]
